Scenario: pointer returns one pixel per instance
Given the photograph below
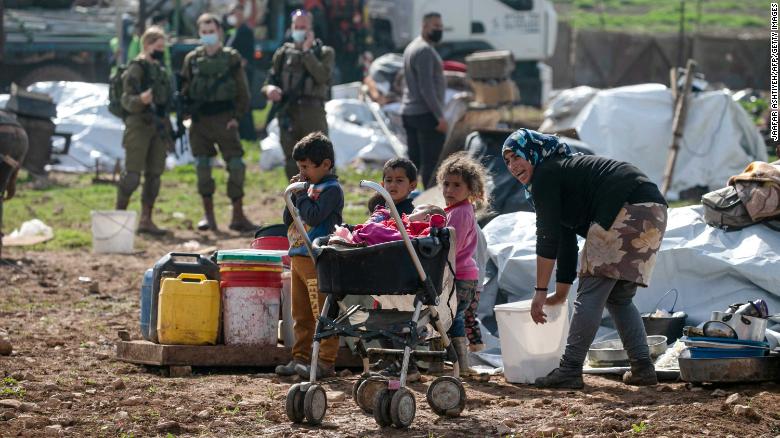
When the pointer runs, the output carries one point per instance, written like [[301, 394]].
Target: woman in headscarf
[[622, 216]]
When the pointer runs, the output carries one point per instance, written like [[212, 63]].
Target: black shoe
[[642, 374], [323, 370], [287, 370], [561, 379]]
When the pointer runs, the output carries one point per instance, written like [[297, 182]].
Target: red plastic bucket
[[237, 283], [271, 242], [258, 278]]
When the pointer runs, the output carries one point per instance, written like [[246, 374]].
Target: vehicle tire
[[51, 72]]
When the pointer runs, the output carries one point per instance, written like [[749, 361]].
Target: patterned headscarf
[[535, 148]]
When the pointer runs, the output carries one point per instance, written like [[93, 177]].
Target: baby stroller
[[409, 267]]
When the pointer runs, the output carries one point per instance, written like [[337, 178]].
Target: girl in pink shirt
[[462, 180]]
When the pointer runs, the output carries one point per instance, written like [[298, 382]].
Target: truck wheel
[[51, 73]]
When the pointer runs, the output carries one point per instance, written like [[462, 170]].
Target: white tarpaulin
[[634, 124], [82, 109], [709, 267]]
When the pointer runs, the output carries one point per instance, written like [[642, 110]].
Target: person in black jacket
[[622, 216]]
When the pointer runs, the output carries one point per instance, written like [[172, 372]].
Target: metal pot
[[748, 328], [611, 353]]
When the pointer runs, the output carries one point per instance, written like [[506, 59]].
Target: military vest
[[292, 69], [212, 77]]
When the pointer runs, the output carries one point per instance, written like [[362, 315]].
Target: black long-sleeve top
[[571, 193]]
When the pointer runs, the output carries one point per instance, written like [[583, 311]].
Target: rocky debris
[[718, 393], [164, 426], [733, 399], [745, 411], [7, 415], [118, 384], [510, 403], [131, 401], [122, 416], [5, 346], [549, 431], [123, 335], [329, 425], [502, 429], [28, 407], [51, 343], [18, 376], [345, 373], [64, 420], [664, 388], [55, 430], [336, 396], [10, 403], [102, 356], [204, 414]]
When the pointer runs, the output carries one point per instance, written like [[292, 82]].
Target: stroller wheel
[[402, 408], [446, 396], [294, 404], [315, 403], [355, 388], [368, 391], [382, 408]]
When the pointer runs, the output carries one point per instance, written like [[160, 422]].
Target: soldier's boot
[[209, 222], [146, 225], [239, 222], [459, 343], [122, 201]]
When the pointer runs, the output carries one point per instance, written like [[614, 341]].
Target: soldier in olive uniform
[[299, 83], [215, 86], [146, 99], [13, 148]]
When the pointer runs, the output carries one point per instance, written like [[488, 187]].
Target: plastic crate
[[723, 353]]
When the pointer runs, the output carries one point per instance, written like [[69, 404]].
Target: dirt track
[[64, 335]]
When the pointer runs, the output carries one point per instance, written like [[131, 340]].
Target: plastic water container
[[176, 263], [250, 312], [113, 232], [189, 310], [531, 350], [146, 302]]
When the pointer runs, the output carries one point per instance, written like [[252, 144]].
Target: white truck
[[527, 28]]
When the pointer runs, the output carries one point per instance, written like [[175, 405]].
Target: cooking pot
[[748, 328], [611, 353]]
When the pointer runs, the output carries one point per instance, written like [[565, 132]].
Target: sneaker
[[323, 370], [287, 370], [394, 370], [561, 379], [641, 375]]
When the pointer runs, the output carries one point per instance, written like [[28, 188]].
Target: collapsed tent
[[710, 268], [634, 124]]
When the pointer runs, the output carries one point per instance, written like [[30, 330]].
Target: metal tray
[[733, 370]]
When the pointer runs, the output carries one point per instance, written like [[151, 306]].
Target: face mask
[[158, 55], [298, 35], [435, 35], [209, 39], [231, 20]]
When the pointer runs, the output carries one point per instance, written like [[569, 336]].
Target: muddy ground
[[62, 378]]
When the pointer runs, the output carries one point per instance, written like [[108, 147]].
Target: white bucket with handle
[[113, 231]]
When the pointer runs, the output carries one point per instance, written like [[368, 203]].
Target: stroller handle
[[296, 215], [407, 241]]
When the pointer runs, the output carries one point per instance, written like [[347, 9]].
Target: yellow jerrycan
[[188, 310]]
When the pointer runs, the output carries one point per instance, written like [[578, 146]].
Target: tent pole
[[678, 124]]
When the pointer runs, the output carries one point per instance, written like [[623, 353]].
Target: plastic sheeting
[[353, 129], [709, 267], [634, 124]]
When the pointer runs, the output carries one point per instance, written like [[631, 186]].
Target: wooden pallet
[[148, 353]]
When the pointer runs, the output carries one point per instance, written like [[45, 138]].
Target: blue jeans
[[465, 290]]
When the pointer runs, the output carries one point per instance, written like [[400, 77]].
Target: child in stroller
[[417, 270]]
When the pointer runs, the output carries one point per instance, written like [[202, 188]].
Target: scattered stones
[[102, 356], [55, 430], [8, 415], [18, 376], [345, 373], [733, 399], [719, 393], [51, 343], [549, 431], [547, 401], [510, 403], [28, 407], [65, 420], [329, 425], [123, 335], [664, 388], [336, 396], [745, 411], [91, 391], [131, 401], [204, 414], [118, 384], [168, 426], [5, 347], [122, 416], [94, 287], [10, 403], [502, 429]]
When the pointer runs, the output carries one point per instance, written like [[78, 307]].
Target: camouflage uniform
[[306, 113], [216, 89], [148, 131]]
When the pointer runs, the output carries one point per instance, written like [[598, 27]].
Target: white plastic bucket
[[113, 231], [250, 315], [531, 350]]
